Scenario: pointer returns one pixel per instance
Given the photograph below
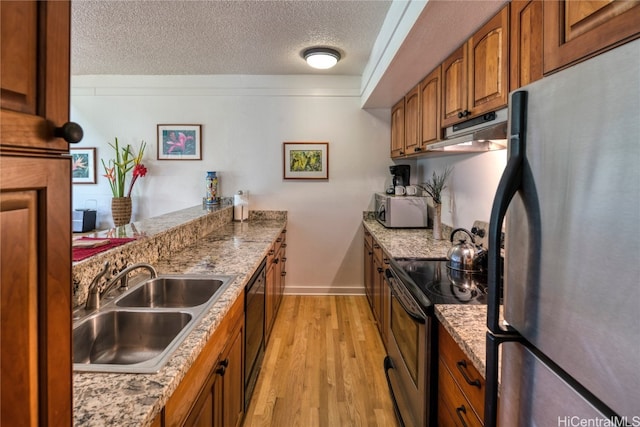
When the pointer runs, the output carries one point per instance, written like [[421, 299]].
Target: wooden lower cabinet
[[212, 392], [381, 294], [276, 274], [461, 388], [368, 267], [220, 403]]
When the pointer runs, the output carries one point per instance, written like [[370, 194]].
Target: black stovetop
[[437, 283]]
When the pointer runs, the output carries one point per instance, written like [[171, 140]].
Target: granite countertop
[[101, 399], [465, 323]]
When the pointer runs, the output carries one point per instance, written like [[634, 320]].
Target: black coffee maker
[[400, 174]]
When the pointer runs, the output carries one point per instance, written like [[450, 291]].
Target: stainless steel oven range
[[411, 363]]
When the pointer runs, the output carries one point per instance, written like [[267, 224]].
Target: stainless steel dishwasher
[[254, 330]]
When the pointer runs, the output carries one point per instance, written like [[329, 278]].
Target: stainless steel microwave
[[401, 211]]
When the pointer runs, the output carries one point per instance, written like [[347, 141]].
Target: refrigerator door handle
[[508, 186]]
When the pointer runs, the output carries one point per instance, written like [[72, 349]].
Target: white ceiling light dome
[[321, 57]]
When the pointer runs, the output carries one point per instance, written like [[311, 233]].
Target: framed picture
[[179, 142], [306, 160], [83, 168]]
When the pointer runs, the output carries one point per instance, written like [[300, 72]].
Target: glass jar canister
[[211, 196]]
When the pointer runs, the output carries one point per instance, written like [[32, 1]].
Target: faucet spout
[[93, 300], [122, 277]]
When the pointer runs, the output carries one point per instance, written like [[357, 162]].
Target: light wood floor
[[323, 367]]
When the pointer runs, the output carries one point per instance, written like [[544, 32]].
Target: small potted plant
[[434, 189]]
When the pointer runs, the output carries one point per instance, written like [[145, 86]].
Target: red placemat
[[81, 253]]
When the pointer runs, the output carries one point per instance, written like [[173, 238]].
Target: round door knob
[[70, 132]]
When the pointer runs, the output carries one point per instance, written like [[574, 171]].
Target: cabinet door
[[454, 86], [35, 268], [577, 30], [488, 65], [525, 39], [368, 270], [233, 382], [397, 129], [34, 64], [412, 121], [430, 100]]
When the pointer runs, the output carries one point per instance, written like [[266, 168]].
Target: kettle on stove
[[465, 256]]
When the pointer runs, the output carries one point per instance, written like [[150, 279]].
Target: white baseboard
[[323, 290]]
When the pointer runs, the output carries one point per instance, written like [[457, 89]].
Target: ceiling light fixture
[[321, 57]]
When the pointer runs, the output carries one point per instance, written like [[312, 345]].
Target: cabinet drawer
[[467, 377], [453, 407]]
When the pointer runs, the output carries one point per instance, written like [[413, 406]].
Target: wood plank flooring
[[323, 367]]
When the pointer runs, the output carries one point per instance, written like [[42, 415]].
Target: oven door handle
[[391, 280]]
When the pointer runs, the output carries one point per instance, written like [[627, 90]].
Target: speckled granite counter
[[465, 323], [101, 399]]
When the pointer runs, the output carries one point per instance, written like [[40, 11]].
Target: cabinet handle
[[275, 261], [70, 132], [284, 259], [462, 367], [279, 239], [402, 153], [224, 363], [461, 409], [271, 252], [417, 149], [284, 231], [284, 273], [370, 253], [380, 270], [386, 261], [376, 246], [284, 245]]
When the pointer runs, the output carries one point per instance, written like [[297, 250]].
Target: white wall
[[471, 186], [245, 120]]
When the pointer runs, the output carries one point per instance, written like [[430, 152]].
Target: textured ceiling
[[221, 37]]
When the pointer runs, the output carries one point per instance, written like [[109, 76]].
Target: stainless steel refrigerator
[[570, 201]]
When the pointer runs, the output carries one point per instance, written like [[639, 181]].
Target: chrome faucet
[[95, 296]]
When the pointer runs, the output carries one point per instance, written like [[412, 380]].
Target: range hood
[[485, 133]]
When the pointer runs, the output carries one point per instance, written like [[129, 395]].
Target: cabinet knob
[[464, 113], [417, 149], [70, 132]]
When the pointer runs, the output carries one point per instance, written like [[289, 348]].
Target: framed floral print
[[179, 142], [306, 160], [83, 166]]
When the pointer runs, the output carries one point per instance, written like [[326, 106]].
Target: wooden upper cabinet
[[489, 65], [430, 99], [577, 30], [412, 121], [397, 129], [475, 77], [34, 64], [525, 39], [454, 86]]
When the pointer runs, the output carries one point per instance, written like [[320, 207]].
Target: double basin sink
[[138, 331]]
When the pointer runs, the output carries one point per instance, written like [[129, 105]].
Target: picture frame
[[305, 160], [179, 142], [83, 165]]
